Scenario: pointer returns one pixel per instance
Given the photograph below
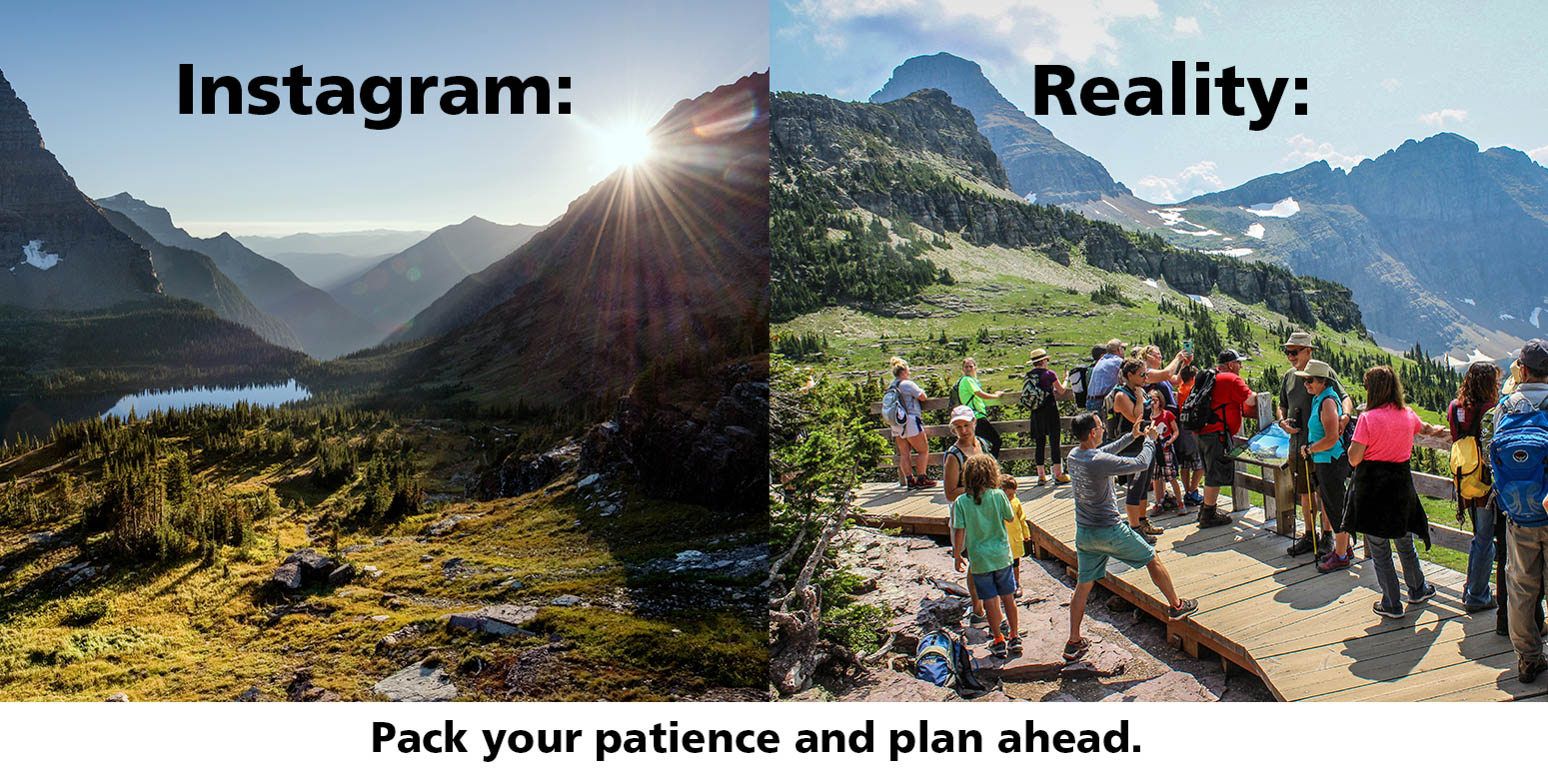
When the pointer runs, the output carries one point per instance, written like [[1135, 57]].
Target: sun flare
[[626, 146]]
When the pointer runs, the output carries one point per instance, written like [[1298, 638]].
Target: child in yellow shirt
[[1016, 531]]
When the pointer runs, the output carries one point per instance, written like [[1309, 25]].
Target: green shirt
[[985, 541], [967, 394]]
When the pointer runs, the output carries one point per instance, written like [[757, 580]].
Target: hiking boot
[[925, 482], [1146, 528], [1386, 612], [1209, 516], [1074, 650], [1013, 646], [1423, 596], [1062, 478], [911, 484], [1528, 668], [1305, 544], [1193, 498], [1005, 627], [1185, 608], [1325, 544], [997, 648], [1042, 481], [1331, 562]]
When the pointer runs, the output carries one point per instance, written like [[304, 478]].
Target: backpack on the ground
[[943, 659], [1032, 393], [893, 410], [1198, 411], [1467, 469], [1519, 456]]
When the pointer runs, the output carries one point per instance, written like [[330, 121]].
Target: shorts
[[1139, 487], [1305, 481], [1219, 469], [1165, 465], [1095, 545], [911, 427], [994, 584], [1187, 448]]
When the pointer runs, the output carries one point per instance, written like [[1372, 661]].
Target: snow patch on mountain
[[1234, 252], [32, 253], [1202, 300], [1152, 283], [1469, 302], [1255, 231], [1533, 319], [1283, 208]]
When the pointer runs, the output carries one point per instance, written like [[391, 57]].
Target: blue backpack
[[943, 659], [1519, 456]]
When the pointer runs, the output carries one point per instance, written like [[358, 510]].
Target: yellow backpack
[[1467, 469]]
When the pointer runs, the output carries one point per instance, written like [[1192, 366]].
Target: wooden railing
[[1275, 484]]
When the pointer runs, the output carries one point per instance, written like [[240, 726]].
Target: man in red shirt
[[1228, 400]]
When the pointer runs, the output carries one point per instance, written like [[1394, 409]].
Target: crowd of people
[[1167, 431]]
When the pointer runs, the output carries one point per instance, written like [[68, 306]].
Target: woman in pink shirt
[[1382, 503]]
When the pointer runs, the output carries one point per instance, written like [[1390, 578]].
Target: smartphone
[[1188, 346]]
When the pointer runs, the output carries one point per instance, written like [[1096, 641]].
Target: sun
[[625, 146]]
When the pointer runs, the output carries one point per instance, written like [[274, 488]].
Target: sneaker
[[1042, 481], [1193, 498], [925, 482], [1384, 611], [1210, 517], [1074, 650], [1325, 544], [1146, 528], [1156, 512], [1305, 544], [1185, 608], [997, 648], [911, 484], [1332, 562], [1490, 605], [1424, 596], [1062, 478], [977, 619], [1005, 627], [1014, 646], [1529, 669]]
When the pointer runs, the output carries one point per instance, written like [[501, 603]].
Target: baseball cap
[[1534, 355], [1228, 356], [963, 414]]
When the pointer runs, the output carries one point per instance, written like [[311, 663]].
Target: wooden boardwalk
[[1308, 636]]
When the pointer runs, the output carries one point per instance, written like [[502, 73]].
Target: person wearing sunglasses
[[1293, 412]]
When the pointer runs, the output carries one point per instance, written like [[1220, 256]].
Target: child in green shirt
[[979, 520]]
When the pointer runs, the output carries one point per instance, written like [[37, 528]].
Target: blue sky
[[1378, 73], [100, 79]]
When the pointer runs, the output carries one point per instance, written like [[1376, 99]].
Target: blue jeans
[[1480, 558], [1386, 575]]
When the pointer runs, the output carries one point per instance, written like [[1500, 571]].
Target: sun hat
[[1316, 368], [1301, 339], [1038, 354]]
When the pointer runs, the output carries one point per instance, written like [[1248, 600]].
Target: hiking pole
[[1501, 595], [1311, 515]]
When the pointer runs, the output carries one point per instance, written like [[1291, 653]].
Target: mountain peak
[[1040, 167]]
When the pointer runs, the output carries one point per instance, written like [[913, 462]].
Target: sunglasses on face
[[1292, 351]]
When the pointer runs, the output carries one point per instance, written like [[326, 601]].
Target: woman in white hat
[[954, 464], [1045, 418]]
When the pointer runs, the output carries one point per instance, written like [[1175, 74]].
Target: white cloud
[[1186, 25], [1028, 31], [1197, 178], [1391, 84], [1539, 155], [1440, 117], [1304, 150]]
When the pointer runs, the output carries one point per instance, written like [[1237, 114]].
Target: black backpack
[[1198, 411]]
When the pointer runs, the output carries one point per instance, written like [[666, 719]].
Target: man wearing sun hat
[[1293, 412]]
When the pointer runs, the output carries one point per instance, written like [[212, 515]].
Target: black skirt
[[1045, 420], [1382, 502]]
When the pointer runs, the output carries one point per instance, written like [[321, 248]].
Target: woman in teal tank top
[[1327, 453]]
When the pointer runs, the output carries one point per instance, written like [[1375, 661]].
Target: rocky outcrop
[[417, 682], [714, 453], [307, 567], [1037, 164], [56, 249], [518, 474]]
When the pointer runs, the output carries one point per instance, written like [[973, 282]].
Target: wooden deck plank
[[1310, 636]]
